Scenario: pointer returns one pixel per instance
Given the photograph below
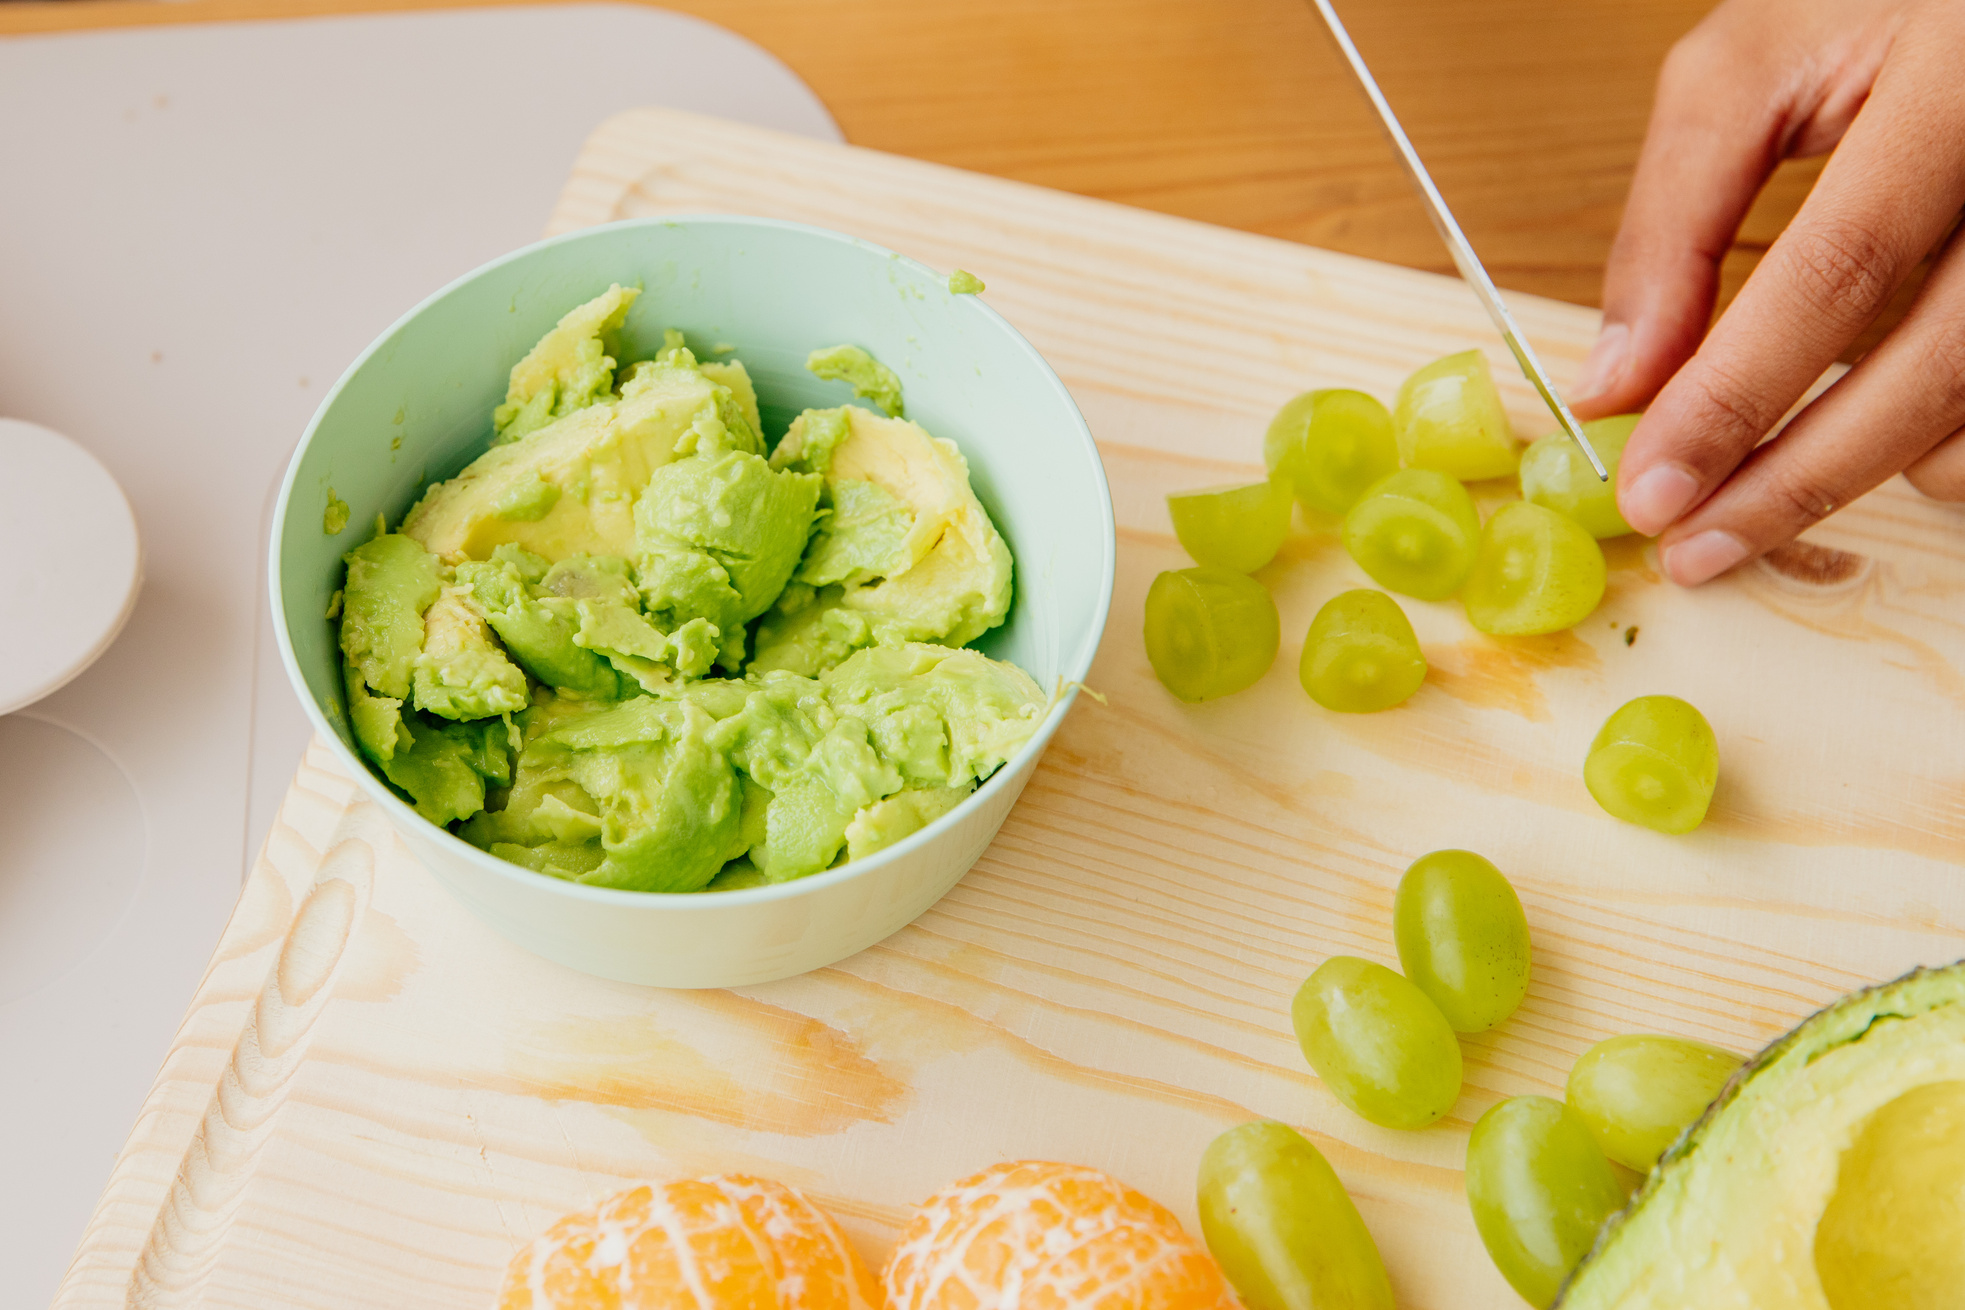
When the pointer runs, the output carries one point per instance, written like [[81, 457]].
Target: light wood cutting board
[[374, 1099]]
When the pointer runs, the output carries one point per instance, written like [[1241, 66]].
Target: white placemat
[[200, 227]]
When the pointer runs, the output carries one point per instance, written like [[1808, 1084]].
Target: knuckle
[[1806, 497], [1729, 416], [1843, 270], [1939, 479]]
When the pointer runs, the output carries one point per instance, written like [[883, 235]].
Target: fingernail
[[1703, 556], [1606, 361], [1659, 495]]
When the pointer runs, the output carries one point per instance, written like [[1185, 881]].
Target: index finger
[[1887, 196]]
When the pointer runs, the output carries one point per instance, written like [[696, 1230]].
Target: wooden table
[[1530, 112]]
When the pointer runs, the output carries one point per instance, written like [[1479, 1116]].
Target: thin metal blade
[[1457, 245]]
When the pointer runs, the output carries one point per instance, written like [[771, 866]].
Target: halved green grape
[[1415, 532], [1654, 762], [1239, 528], [1448, 417], [1209, 632], [1556, 474], [1540, 1188], [1537, 572], [1377, 1042], [1636, 1094], [1463, 939], [1331, 446], [1282, 1227], [1361, 654]]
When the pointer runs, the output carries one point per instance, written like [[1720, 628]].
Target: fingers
[[1902, 400], [1886, 197], [1713, 140], [1940, 472]]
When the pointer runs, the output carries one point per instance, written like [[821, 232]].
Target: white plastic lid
[[70, 561]]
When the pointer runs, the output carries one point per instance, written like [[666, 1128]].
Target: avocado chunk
[[903, 814], [568, 370], [870, 379], [631, 796], [570, 487], [392, 580], [1829, 1173], [717, 536], [446, 765], [461, 672], [945, 572]]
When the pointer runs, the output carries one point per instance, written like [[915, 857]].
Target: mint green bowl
[[416, 406]]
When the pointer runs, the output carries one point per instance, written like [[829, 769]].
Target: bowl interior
[[417, 406]]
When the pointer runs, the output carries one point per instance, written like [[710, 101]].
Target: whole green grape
[[1463, 939], [1536, 572], [1555, 474], [1415, 532], [1377, 1042], [1331, 446], [1540, 1188], [1209, 632], [1361, 654], [1448, 417], [1238, 528], [1282, 1227], [1654, 762], [1636, 1094]]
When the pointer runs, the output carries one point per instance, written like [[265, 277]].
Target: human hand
[[1757, 81]]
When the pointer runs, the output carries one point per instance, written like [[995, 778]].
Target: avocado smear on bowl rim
[[631, 647]]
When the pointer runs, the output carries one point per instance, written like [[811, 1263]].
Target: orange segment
[[1030, 1235], [731, 1242]]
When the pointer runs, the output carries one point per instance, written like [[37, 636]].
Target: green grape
[[1361, 654], [1209, 632], [1282, 1228], [1637, 1094], [1331, 446], [1448, 417], [1537, 572], [1415, 532], [1238, 528], [1556, 474], [1376, 1041], [1540, 1188], [1654, 762], [1463, 939]]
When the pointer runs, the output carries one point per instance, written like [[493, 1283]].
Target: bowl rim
[[1070, 679]]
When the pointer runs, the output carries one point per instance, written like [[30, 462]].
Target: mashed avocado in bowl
[[681, 662]]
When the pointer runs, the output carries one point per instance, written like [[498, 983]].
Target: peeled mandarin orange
[[1030, 1235], [730, 1242]]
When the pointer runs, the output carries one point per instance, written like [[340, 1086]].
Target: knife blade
[[1464, 258]]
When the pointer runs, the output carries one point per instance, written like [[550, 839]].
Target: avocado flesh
[[946, 573], [1734, 1214], [568, 370], [528, 658], [570, 487]]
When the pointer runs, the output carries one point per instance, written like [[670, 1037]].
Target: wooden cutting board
[[374, 1099]]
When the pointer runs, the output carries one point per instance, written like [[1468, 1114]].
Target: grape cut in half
[[1557, 475], [1415, 532], [1448, 417], [1536, 572], [1655, 763], [1331, 446], [1361, 654], [1209, 632], [1239, 528]]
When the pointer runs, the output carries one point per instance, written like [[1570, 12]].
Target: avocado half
[[1828, 1175]]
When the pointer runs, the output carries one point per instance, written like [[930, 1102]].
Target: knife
[[1457, 245]]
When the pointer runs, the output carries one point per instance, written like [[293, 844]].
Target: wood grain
[[374, 1099], [1530, 112]]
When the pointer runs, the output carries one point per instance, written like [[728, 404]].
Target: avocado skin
[[1845, 1023]]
